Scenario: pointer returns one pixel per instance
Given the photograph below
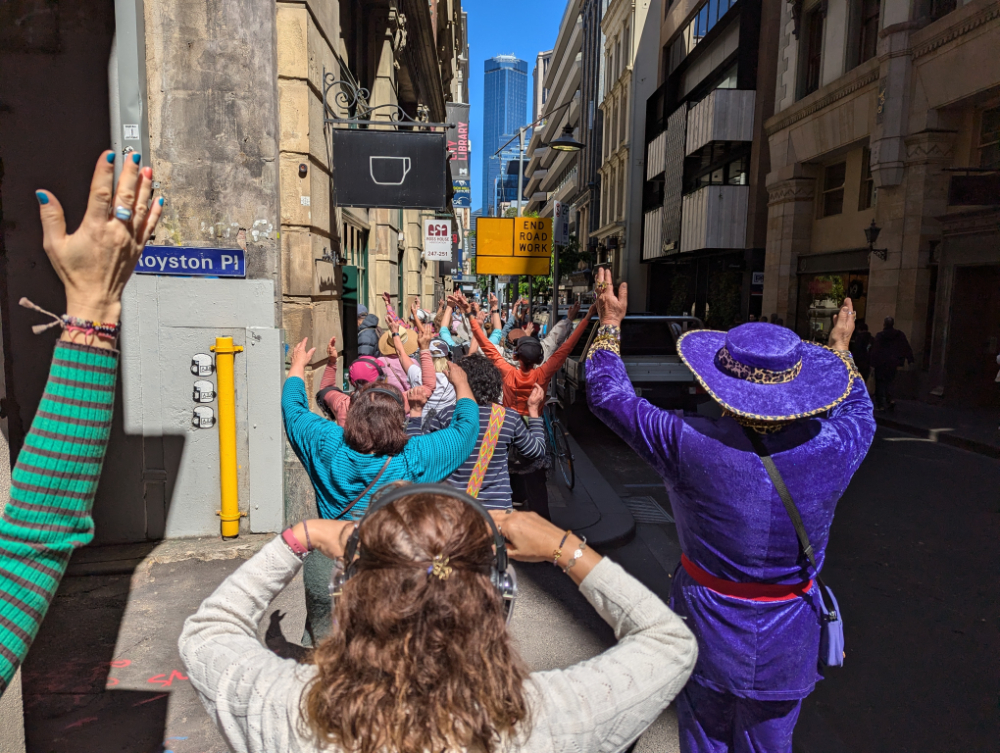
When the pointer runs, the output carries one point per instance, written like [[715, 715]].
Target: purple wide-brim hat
[[766, 372]]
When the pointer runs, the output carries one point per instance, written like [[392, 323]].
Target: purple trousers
[[711, 721]]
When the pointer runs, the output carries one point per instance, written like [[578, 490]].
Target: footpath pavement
[[105, 675], [973, 429]]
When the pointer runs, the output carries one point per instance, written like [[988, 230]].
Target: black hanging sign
[[390, 169]]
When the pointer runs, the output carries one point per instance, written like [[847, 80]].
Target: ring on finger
[[123, 213]]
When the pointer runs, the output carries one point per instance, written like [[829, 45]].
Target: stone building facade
[[888, 114]]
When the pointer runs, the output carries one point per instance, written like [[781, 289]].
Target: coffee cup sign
[[388, 171], [533, 236]]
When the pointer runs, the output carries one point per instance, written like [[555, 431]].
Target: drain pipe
[[127, 82], [225, 353]]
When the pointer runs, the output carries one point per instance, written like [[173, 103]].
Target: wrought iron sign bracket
[[354, 98]]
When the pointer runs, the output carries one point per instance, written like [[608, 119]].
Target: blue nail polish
[[136, 157], [161, 201], [111, 157], [42, 198]]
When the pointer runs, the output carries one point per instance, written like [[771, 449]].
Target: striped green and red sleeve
[[52, 492]]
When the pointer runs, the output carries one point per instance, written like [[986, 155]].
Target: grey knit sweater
[[602, 704]]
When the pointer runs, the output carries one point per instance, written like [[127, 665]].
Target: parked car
[[649, 351]]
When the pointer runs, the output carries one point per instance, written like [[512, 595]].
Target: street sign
[[437, 240], [513, 245], [389, 169], [560, 223], [511, 265], [533, 236], [183, 261]]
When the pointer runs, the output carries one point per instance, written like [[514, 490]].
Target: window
[[812, 52], [833, 189], [868, 30], [625, 47], [621, 194], [717, 164], [695, 31], [624, 114], [989, 138], [866, 196]]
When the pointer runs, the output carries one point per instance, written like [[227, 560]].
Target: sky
[[515, 27]]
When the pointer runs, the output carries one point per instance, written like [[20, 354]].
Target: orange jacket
[[517, 383]]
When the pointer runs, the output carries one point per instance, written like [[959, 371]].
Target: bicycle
[[557, 442]]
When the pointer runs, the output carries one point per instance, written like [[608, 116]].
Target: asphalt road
[[913, 560]]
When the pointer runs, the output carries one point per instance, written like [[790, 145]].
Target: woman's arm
[[603, 704], [555, 362], [307, 433], [55, 478]]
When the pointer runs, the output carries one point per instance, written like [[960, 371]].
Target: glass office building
[[505, 106]]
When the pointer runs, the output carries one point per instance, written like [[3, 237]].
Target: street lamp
[[566, 142], [871, 233]]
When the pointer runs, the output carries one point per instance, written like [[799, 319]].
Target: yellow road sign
[[533, 236], [511, 265], [494, 236]]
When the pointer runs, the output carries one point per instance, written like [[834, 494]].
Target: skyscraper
[[505, 103]]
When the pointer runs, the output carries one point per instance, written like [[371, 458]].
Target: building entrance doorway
[[973, 337]]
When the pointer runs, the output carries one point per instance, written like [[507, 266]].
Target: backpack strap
[[367, 489], [486, 449], [791, 509]]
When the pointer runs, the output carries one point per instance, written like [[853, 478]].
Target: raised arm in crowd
[[55, 478]]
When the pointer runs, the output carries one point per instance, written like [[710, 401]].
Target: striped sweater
[[52, 492], [528, 438]]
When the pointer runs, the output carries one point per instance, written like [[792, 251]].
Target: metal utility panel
[[161, 477]]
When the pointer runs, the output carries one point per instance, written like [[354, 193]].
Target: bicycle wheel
[[563, 454]]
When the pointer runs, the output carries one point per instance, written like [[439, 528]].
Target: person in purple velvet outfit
[[744, 586]]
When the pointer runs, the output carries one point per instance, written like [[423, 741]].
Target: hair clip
[[439, 567]]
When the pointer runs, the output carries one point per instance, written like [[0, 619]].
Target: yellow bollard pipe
[[225, 352]]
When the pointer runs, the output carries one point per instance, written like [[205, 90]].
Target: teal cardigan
[[339, 474], [52, 492]]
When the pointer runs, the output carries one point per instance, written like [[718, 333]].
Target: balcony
[[656, 156], [724, 115], [652, 234], [714, 217]]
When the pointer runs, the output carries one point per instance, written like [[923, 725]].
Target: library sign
[[513, 245]]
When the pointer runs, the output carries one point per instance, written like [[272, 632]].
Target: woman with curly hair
[[484, 474], [419, 657]]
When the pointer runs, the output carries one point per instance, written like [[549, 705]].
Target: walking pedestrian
[[890, 350], [347, 464], [485, 475], [746, 586], [861, 346], [54, 481], [419, 657]]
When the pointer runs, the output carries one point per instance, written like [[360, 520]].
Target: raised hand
[[574, 311], [843, 326], [301, 357], [611, 307], [494, 303], [417, 398], [393, 325], [331, 348], [96, 261], [425, 333], [535, 400], [529, 329]]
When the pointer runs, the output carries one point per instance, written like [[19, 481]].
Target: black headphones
[[502, 576]]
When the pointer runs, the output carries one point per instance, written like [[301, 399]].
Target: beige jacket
[[602, 704]]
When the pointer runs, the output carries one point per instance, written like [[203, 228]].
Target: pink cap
[[362, 371]]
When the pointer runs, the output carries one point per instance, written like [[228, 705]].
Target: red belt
[[751, 591]]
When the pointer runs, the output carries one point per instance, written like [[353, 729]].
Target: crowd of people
[[417, 468]]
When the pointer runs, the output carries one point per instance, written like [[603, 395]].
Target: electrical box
[[161, 476]]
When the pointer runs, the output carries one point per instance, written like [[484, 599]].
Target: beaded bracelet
[[558, 551], [609, 330], [577, 554], [104, 330]]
